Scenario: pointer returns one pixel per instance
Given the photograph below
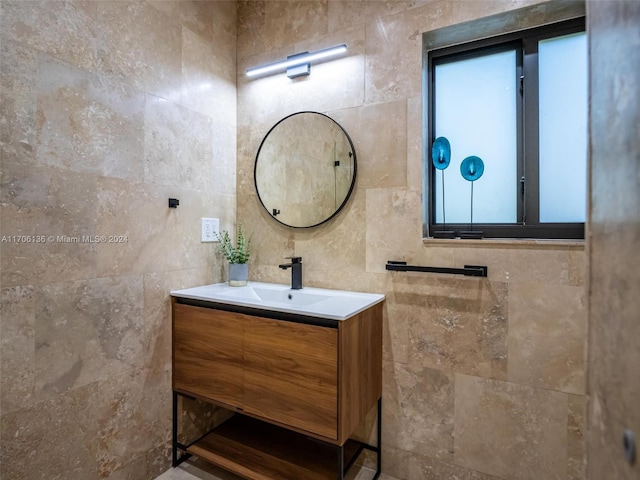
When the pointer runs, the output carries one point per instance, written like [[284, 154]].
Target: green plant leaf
[[238, 253]]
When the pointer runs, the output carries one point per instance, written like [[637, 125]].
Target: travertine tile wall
[[108, 109], [483, 379]]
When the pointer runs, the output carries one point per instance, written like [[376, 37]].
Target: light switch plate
[[210, 229]]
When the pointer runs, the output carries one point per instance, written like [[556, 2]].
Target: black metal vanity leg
[[174, 435], [379, 445], [341, 463]]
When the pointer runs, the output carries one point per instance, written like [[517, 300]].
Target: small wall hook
[[174, 202]]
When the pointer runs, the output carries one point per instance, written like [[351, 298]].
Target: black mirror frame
[[353, 179]]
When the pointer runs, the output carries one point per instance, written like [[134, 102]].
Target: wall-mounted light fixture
[[297, 65]]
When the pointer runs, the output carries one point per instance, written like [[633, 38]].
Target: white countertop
[[310, 301]]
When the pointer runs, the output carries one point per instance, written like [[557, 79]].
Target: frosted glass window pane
[[475, 108], [563, 128]]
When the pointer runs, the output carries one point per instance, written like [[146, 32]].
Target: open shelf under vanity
[[257, 450]]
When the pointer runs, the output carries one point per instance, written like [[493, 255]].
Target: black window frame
[[527, 180]]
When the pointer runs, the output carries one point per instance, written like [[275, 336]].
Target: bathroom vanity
[[300, 368]]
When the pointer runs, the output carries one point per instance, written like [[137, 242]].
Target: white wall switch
[[210, 229]]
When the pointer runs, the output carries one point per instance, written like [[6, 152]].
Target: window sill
[[506, 243]]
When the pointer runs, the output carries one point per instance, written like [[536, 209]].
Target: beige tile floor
[[196, 469]]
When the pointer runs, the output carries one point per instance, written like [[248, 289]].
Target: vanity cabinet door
[[291, 374], [207, 353]]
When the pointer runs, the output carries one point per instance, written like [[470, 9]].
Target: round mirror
[[305, 169]]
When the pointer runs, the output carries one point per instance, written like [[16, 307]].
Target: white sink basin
[[275, 295], [315, 302]]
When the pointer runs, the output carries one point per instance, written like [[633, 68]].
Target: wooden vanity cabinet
[[291, 374], [316, 377], [207, 353]]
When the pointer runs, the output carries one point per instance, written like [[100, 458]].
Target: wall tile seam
[[367, 18], [8, 284], [547, 389], [214, 119], [95, 71], [176, 188], [6, 39], [39, 54], [175, 270], [119, 84], [535, 388], [176, 21], [212, 42], [63, 169], [39, 286], [184, 268], [503, 381], [128, 82]]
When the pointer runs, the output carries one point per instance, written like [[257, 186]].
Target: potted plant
[[237, 255]]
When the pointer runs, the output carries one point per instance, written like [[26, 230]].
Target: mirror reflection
[[305, 169]]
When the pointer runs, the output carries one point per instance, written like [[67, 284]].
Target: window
[[519, 103]]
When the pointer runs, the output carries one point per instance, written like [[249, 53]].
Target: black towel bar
[[468, 270]]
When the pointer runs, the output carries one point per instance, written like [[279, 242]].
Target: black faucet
[[296, 271]]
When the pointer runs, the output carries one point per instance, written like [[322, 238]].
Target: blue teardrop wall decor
[[472, 168], [441, 153]]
